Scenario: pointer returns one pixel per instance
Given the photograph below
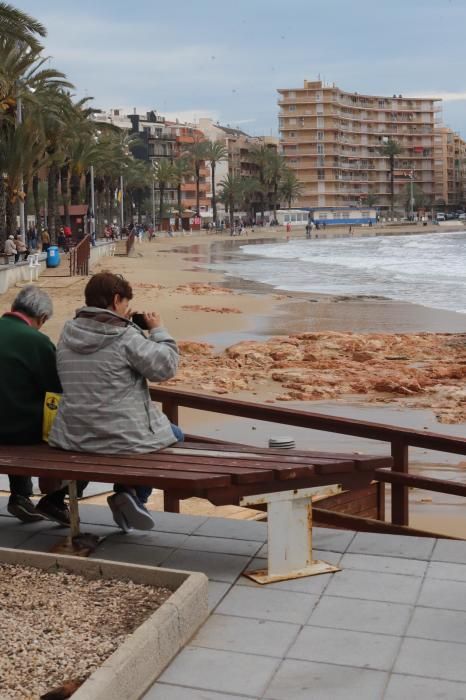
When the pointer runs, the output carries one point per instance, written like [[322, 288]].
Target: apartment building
[[332, 139], [450, 168]]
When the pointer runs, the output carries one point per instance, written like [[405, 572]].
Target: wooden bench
[[223, 473]]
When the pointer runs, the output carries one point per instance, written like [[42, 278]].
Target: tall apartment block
[[450, 168], [332, 140]]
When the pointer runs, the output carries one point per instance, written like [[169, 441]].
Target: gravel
[[56, 627]]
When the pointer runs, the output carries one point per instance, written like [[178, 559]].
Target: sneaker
[[118, 516], [135, 514], [23, 509], [59, 513]]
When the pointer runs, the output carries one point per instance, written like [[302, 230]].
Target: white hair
[[33, 302]]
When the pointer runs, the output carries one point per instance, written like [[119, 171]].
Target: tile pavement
[[390, 626]]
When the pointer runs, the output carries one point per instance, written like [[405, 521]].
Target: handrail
[[400, 439], [79, 257]]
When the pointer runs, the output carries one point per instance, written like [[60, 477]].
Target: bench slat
[[158, 478]]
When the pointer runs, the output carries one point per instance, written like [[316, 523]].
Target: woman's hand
[[153, 320]]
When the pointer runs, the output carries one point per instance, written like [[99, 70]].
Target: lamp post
[[122, 206], [92, 212], [411, 195], [22, 218]]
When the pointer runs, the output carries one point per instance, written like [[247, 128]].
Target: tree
[[164, 175], [181, 167], [214, 153], [290, 187], [274, 171], [231, 194], [260, 156], [370, 199], [390, 150], [18, 26], [196, 152]]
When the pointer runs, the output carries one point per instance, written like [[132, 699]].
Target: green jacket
[[27, 370]]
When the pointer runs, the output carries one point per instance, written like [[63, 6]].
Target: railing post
[[400, 503]]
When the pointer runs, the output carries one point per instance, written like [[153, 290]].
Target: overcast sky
[[225, 59]]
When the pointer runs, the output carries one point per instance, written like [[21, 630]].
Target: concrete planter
[[135, 665]]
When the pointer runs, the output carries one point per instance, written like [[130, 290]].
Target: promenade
[[391, 625]]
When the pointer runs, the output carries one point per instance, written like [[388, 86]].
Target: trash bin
[[53, 256]]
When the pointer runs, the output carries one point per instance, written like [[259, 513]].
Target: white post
[[22, 218]]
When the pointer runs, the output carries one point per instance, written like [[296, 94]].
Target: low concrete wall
[[101, 249], [136, 664], [11, 274]]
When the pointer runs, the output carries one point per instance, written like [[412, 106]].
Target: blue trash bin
[[53, 256]]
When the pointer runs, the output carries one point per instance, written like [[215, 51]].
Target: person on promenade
[[28, 358], [45, 240], [10, 247], [21, 248], [104, 362]]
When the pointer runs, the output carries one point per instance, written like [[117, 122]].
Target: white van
[[440, 216]]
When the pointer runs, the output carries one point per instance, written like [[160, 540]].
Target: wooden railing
[[400, 439], [79, 257], [130, 242]]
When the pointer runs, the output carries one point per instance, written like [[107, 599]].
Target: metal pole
[[122, 215], [153, 203], [22, 218], [92, 231], [411, 199]]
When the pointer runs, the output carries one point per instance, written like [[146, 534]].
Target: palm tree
[[180, 168], [232, 187], [20, 27], [196, 152], [164, 175], [215, 151], [274, 172], [290, 187], [390, 150], [260, 156]]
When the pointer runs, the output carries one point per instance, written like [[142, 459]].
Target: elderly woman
[[104, 361]]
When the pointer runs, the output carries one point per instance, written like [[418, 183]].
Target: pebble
[[56, 627]]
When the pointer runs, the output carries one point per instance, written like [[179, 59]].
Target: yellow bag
[[51, 402]]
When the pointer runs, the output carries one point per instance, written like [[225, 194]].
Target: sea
[[425, 269]]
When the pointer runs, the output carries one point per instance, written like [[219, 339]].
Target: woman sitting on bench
[[104, 362]]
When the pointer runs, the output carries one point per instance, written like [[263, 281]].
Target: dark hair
[[102, 287]]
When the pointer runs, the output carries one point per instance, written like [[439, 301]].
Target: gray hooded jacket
[[104, 362]]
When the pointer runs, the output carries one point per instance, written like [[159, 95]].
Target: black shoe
[[23, 509], [50, 510]]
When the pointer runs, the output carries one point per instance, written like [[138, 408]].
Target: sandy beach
[[208, 314]]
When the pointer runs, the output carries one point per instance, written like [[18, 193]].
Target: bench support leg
[[171, 504], [289, 521], [74, 509]]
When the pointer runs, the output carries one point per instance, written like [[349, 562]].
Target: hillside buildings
[[332, 140]]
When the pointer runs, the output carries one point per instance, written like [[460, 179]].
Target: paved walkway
[[391, 625]]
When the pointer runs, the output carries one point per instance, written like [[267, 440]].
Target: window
[[320, 148], [321, 160], [292, 134], [320, 122], [320, 135], [318, 96], [292, 108], [321, 174]]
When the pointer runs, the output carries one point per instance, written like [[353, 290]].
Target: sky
[[225, 59]]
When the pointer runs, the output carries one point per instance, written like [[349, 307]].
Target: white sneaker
[[135, 514], [118, 516]]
